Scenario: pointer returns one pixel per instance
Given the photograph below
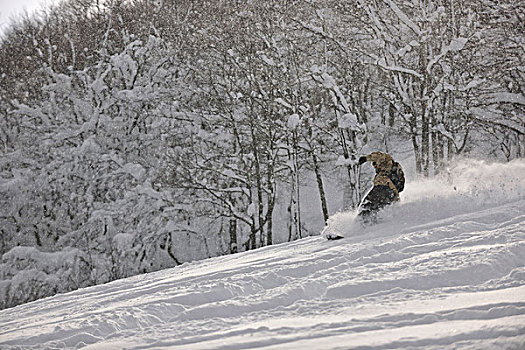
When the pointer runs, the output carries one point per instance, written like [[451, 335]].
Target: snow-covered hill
[[444, 270]]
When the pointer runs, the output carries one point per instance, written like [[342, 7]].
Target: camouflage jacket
[[388, 172]]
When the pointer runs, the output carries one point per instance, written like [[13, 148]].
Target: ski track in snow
[[452, 283]]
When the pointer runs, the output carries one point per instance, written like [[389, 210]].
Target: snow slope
[[444, 270]]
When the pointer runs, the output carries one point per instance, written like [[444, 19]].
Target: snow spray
[[465, 186]]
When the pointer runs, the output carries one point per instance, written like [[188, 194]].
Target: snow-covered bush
[[28, 274], [82, 184]]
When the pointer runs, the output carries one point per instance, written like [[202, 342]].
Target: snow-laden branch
[[403, 17], [507, 97], [394, 68], [329, 82], [455, 45], [492, 117]]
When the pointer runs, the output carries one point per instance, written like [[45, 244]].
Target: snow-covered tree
[[137, 135]]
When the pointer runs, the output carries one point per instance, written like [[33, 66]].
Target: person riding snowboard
[[388, 182]]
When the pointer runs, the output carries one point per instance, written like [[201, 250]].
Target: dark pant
[[375, 200]]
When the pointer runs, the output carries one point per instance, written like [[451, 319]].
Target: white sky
[[10, 8]]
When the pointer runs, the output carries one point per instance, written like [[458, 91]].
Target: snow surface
[[445, 269]]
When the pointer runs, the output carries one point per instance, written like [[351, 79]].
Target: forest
[[138, 135]]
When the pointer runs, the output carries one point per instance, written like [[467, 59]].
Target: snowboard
[[333, 238]]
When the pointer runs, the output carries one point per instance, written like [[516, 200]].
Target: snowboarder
[[388, 182]]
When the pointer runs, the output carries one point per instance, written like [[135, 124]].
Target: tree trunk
[[391, 115], [437, 148], [349, 199], [322, 195], [253, 235], [233, 236], [258, 179], [270, 203], [451, 150], [415, 145], [297, 187], [291, 210], [425, 144], [269, 223]]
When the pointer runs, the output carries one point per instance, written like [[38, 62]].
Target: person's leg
[[376, 199]]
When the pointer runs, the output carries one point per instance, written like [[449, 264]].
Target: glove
[[362, 160]]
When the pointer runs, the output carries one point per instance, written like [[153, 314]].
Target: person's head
[[381, 161]]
